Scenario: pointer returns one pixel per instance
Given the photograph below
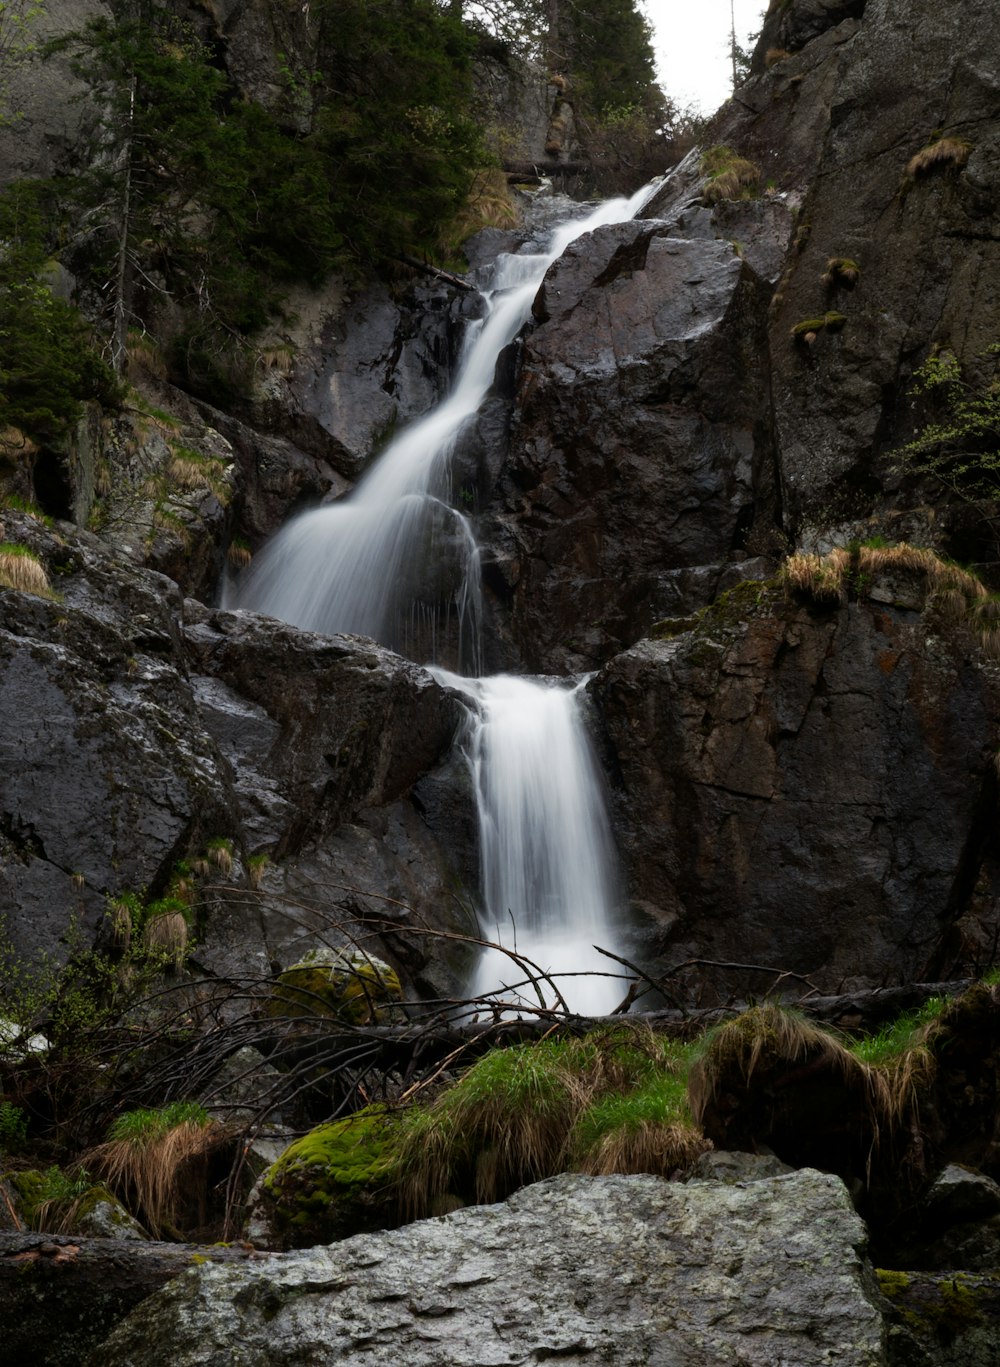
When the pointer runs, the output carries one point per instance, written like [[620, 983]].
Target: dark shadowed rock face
[[137, 728], [837, 124], [631, 1270], [635, 449], [807, 791]]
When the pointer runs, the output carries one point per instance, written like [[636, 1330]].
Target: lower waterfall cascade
[[548, 868]]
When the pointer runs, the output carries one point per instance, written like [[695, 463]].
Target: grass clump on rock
[[940, 154], [22, 571], [610, 1101], [730, 176], [154, 1159]]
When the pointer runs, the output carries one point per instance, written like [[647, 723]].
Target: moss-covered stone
[[346, 985], [337, 1180]]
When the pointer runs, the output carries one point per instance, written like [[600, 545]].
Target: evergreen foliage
[[196, 195], [48, 366]]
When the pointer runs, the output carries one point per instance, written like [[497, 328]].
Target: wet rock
[[959, 1194], [631, 1268], [132, 738], [634, 450], [106, 774], [723, 1165], [808, 791], [835, 125]]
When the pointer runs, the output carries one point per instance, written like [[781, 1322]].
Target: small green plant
[[961, 449], [220, 853], [13, 1128], [899, 1035], [146, 1126], [257, 866], [17, 504], [49, 1197]]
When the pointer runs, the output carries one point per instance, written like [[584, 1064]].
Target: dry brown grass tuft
[[185, 473], [167, 934], [942, 153], [752, 1059], [759, 1037], [738, 181], [144, 357], [280, 358], [22, 571], [658, 1149], [819, 578], [841, 273], [605, 1102], [152, 1177], [490, 204], [239, 555], [775, 55]]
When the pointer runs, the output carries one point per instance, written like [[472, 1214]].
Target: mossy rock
[[339, 1179], [345, 985]]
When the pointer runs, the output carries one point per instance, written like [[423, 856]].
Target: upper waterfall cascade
[[370, 564]]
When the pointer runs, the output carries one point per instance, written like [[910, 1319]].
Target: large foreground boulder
[[631, 1270]]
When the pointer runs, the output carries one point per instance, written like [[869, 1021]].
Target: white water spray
[[362, 564], [545, 849], [381, 563]]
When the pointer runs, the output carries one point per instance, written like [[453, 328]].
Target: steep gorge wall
[[802, 786]]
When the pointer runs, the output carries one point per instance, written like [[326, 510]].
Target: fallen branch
[[426, 268]]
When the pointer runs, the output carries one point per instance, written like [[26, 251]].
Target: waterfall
[[545, 850], [363, 563], [381, 563]]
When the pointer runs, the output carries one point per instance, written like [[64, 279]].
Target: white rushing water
[[376, 563], [365, 563], [546, 855]]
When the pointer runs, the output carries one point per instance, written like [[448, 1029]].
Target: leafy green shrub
[[13, 1128], [960, 449]]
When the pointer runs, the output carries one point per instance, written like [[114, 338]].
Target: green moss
[[827, 322], [340, 984], [670, 627], [338, 1179], [943, 1308], [892, 1284]]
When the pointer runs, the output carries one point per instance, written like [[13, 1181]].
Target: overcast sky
[[691, 38]]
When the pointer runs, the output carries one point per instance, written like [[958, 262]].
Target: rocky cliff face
[[799, 785]]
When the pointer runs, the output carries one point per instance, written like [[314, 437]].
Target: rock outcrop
[[138, 729], [808, 788], [632, 1269]]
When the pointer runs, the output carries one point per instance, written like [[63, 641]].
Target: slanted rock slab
[[631, 1270]]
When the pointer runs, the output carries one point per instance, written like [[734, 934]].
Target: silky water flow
[[360, 565]]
